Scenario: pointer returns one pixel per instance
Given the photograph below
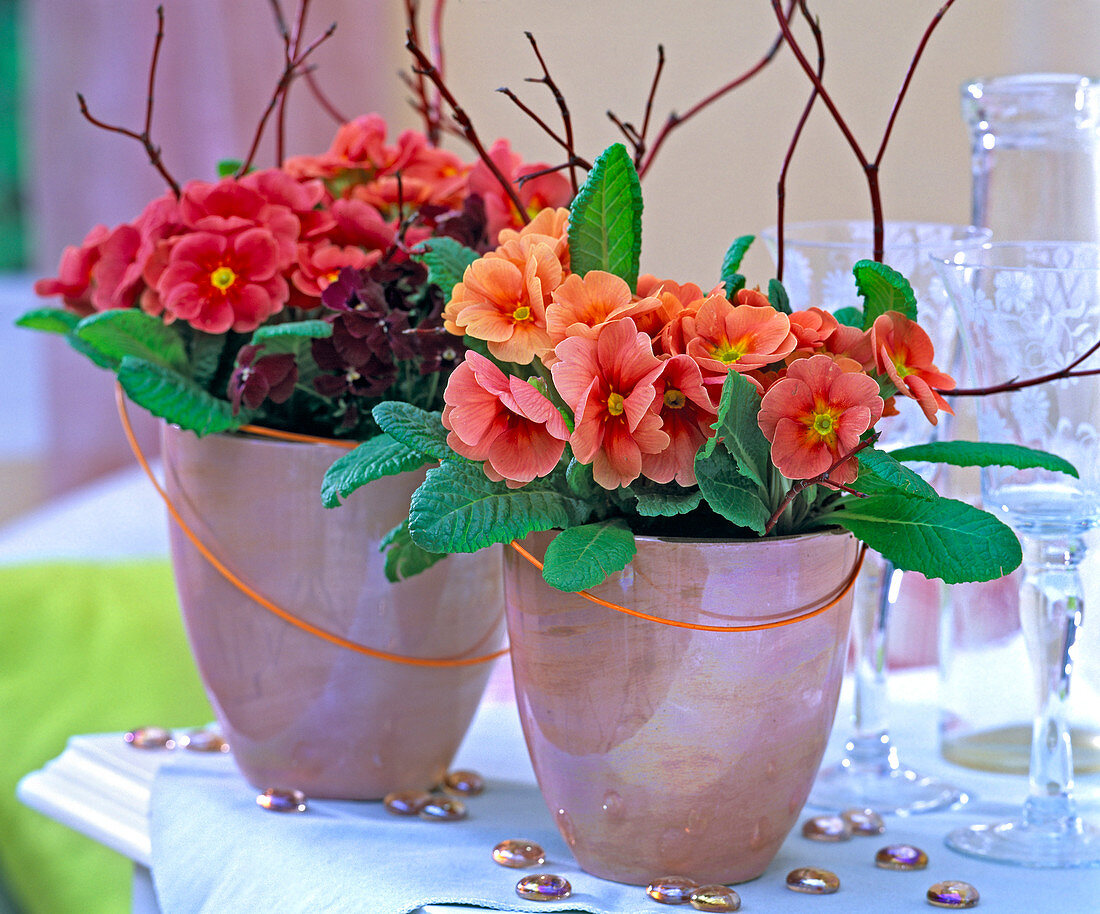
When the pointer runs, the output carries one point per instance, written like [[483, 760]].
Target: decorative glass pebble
[[901, 857], [464, 783], [671, 889], [277, 799], [812, 881], [442, 808], [406, 802], [864, 822], [517, 854], [150, 738], [826, 828], [544, 887], [953, 894], [204, 741], [715, 898]]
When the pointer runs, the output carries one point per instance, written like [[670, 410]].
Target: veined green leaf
[[886, 468], [849, 317], [582, 557], [730, 494], [204, 355], [377, 457], [404, 558], [668, 502], [938, 537], [124, 332], [731, 263], [458, 509], [227, 167], [736, 427], [605, 219], [985, 454], [49, 320], [420, 430], [777, 295], [311, 329], [883, 289], [446, 260], [176, 398]]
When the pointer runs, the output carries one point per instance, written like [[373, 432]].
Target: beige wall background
[[714, 179]]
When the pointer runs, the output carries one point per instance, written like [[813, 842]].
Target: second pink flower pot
[[664, 750]]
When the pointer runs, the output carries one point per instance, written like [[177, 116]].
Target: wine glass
[[1027, 310], [818, 258]]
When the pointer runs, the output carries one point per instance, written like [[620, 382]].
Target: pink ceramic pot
[[667, 751], [299, 711]]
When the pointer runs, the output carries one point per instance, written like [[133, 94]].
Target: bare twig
[[152, 151], [323, 100], [1068, 371], [567, 121]]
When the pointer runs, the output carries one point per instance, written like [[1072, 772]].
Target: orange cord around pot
[[244, 588], [755, 627]]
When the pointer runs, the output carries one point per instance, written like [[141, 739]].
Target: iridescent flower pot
[[299, 711], [662, 749]]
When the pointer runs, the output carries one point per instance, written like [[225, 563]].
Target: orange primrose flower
[[608, 382], [502, 420], [815, 415], [581, 304], [904, 352], [686, 415]]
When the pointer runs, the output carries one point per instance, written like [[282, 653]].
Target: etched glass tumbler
[[817, 272], [1029, 311]]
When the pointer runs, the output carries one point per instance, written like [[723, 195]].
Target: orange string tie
[[249, 591], [845, 587]]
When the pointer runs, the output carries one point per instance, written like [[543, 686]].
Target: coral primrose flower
[[686, 417], [503, 421], [815, 415], [903, 351], [582, 304], [608, 382]]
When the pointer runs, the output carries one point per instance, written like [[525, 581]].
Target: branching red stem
[[1061, 374]]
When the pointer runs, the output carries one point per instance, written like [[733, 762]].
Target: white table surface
[[101, 787]]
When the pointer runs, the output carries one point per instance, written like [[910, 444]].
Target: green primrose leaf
[[459, 509], [227, 167], [738, 430], [404, 558], [176, 398], [48, 320], [668, 502], [883, 289], [605, 218], [777, 295], [418, 429], [730, 494], [584, 556], [885, 468], [312, 330], [731, 263], [849, 317], [204, 355], [446, 260], [377, 457], [985, 454], [123, 332], [938, 537]]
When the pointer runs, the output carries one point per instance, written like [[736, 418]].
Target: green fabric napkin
[[85, 647]]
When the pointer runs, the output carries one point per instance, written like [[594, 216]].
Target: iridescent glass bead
[[406, 802], [150, 738], [442, 808], [901, 857], [517, 854], [864, 822], [812, 881], [279, 799], [953, 894], [464, 783], [544, 887], [204, 741], [671, 889], [715, 898], [826, 828]]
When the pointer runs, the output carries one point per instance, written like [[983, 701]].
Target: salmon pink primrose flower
[[503, 421], [686, 417], [903, 351], [815, 415]]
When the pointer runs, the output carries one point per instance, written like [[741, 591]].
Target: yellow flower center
[[675, 399], [222, 278], [352, 375], [729, 352], [823, 424], [615, 404], [900, 366], [522, 313]]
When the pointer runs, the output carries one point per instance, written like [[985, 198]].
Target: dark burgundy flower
[[269, 377]]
